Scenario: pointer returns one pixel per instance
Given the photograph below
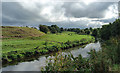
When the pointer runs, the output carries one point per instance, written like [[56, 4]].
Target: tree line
[[110, 30], [55, 29], [104, 33]]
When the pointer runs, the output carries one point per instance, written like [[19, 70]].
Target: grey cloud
[[65, 0], [0, 13], [119, 8], [77, 24], [93, 10], [13, 12], [106, 20], [16, 15]]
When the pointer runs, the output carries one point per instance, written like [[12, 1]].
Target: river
[[41, 62]]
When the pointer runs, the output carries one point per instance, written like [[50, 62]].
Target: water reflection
[[41, 62], [84, 51]]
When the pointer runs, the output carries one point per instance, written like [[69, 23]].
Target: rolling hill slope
[[20, 32]]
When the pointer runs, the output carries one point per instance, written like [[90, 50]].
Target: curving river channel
[[41, 62]]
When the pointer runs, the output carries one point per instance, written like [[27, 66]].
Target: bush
[[45, 51], [67, 63], [99, 62], [20, 56], [68, 42]]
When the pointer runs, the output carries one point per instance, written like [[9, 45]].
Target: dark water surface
[[41, 62]]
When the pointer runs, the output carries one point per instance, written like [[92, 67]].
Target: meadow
[[30, 43], [16, 48]]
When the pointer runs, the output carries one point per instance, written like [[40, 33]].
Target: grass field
[[23, 44], [13, 47]]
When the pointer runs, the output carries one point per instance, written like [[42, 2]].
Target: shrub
[[99, 62], [67, 63], [45, 51], [68, 42]]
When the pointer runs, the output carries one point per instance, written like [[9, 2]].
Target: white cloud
[[44, 1], [64, 14], [112, 12]]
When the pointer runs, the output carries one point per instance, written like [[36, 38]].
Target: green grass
[[31, 43], [64, 37], [14, 48]]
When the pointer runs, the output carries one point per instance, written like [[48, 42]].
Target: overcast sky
[[64, 14]]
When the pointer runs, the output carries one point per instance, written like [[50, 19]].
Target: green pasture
[[25, 44]]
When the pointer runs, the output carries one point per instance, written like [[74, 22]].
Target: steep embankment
[[19, 32]]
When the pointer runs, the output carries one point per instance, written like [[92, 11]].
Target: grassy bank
[[19, 32], [17, 48]]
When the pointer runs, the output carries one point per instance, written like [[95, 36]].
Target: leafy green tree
[[88, 32], [77, 30], [111, 30], [94, 33], [56, 28], [43, 28], [116, 27], [105, 32], [50, 28], [91, 29], [61, 29], [53, 30]]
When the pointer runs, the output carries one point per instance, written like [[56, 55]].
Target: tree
[[88, 32], [94, 33], [43, 28], [53, 30], [91, 29], [61, 29], [49, 27], [116, 27], [105, 32], [56, 28], [111, 30]]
